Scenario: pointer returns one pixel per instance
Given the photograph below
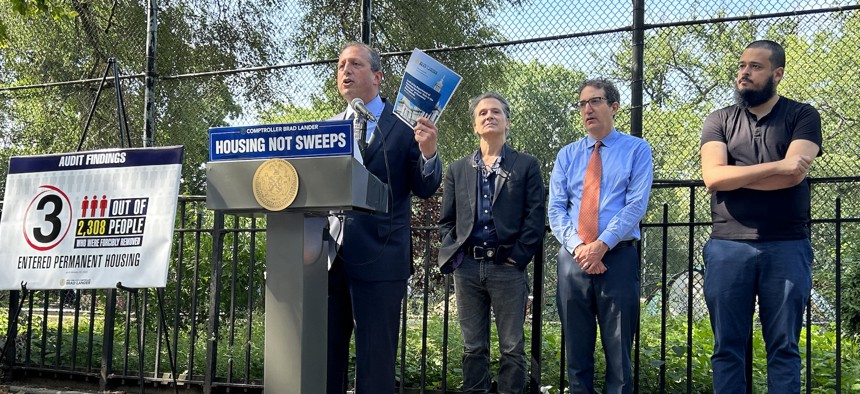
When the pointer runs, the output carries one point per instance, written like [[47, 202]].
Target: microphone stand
[[359, 131]]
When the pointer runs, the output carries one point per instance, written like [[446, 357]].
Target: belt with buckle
[[481, 253], [624, 244]]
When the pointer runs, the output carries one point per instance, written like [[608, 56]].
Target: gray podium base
[[296, 304]]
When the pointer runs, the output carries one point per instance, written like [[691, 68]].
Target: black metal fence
[[209, 320]]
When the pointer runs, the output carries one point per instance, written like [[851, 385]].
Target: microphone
[[359, 132], [358, 106]]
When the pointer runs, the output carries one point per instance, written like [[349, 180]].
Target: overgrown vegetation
[[655, 372]]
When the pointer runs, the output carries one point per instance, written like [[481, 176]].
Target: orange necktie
[[590, 197]]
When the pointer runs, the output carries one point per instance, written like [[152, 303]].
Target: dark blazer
[[518, 208], [376, 247]]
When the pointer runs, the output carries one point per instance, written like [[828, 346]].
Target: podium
[[296, 256]]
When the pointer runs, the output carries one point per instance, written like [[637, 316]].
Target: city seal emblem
[[276, 184]]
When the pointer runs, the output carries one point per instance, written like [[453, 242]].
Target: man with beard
[[755, 158]]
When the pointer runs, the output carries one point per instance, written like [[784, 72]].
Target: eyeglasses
[[593, 101]]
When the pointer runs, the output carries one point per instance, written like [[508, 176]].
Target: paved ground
[[60, 388], [12, 389], [40, 386]]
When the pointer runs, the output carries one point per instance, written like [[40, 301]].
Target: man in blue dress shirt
[[598, 265]]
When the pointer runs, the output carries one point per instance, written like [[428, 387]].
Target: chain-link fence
[[236, 63]]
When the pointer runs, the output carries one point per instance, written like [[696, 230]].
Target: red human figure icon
[[94, 204], [84, 205], [103, 205]]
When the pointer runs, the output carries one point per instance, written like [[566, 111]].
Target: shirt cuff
[[429, 165], [572, 243], [610, 240]]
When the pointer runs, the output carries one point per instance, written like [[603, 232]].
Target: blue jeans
[[612, 300], [779, 273], [480, 285]]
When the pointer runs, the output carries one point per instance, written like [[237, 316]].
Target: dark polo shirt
[[746, 214]]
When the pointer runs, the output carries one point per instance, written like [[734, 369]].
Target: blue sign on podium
[[311, 139]]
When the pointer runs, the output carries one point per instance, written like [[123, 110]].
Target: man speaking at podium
[[367, 280]]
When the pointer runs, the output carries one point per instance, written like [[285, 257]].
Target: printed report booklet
[[426, 88]]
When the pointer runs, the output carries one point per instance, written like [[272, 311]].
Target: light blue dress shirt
[[625, 186]]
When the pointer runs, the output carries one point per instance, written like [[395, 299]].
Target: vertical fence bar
[[234, 264], [142, 328], [139, 332], [691, 233], [92, 330], [366, 19], [158, 332], [11, 333], [838, 299], [562, 364], [107, 342], [537, 320], [149, 80], [28, 352], [217, 256], [405, 315], [637, 67], [126, 333], [445, 332], [250, 305], [637, 337], [214, 302], [46, 299], [59, 347], [75, 326], [808, 316], [426, 296], [749, 361], [663, 295]]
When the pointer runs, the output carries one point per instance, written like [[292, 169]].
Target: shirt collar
[[375, 107], [478, 162], [607, 141], [776, 107]]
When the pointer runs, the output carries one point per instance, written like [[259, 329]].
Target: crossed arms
[[781, 174]]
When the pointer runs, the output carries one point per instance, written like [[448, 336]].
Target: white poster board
[[89, 220]]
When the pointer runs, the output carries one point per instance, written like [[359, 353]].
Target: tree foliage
[[400, 26], [27, 8], [543, 105], [689, 72], [193, 36]]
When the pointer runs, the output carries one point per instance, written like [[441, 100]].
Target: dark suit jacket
[[518, 208], [377, 247]]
